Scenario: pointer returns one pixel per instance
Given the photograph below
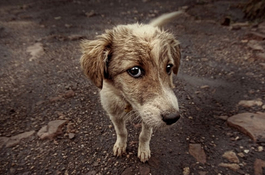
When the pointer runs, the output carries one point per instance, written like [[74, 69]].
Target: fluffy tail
[[164, 19]]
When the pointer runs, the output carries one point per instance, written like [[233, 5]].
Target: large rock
[[197, 152], [250, 124], [53, 129], [3, 141], [14, 140], [258, 165]]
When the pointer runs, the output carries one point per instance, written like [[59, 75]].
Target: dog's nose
[[169, 119]]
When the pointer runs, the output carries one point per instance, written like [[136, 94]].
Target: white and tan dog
[[132, 65]]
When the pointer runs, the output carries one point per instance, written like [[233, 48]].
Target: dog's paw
[[119, 149], [144, 153]]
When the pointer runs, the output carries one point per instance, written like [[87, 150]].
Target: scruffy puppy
[[132, 65]]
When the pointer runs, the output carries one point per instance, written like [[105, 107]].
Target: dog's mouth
[[156, 119]]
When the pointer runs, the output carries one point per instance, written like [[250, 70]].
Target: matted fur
[[106, 62]]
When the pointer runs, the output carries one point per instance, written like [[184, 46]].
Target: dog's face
[[138, 61]]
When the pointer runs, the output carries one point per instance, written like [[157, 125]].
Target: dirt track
[[218, 70]]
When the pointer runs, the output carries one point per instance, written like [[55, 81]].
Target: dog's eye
[[135, 72], [168, 69]]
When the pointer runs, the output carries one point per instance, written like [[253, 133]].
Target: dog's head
[[138, 61]]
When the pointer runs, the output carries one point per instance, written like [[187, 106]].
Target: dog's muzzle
[[171, 118]]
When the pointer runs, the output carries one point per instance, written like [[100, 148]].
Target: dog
[[133, 66]]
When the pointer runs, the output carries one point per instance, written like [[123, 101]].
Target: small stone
[[205, 87], [260, 148], [90, 14], [241, 154], [202, 173], [128, 171], [70, 127], [54, 99], [197, 152], [68, 25], [144, 170], [255, 45], [71, 135], [250, 103], [57, 18], [256, 36], [186, 171], [240, 25], [246, 151], [12, 170], [231, 156], [232, 166], [35, 51], [14, 140], [95, 164], [76, 37], [69, 94], [258, 166]]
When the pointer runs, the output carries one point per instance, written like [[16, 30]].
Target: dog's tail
[[164, 19]]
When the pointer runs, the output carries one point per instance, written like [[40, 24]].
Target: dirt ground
[[218, 70]]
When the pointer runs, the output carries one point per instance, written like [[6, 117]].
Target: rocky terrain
[[51, 120]]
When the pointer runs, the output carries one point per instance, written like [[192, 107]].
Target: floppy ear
[[95, 58], [176, 56]]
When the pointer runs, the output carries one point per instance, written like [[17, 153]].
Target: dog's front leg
[[144, 152], [121, 132]]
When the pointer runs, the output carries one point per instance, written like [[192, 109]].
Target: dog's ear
[[176, 56], [94, 59]]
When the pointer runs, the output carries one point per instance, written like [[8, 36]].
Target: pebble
[[258, 166], [250, 103], [197, 152], [202, 173], [36, 51], [240, 154], [71, 135], [231, 166], [255, 45], [231, 156], [186, 171], [260, 148], [205, 87]]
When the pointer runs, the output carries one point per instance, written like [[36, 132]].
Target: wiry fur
[[106, 61]]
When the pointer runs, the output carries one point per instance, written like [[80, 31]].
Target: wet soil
[[217, 71]]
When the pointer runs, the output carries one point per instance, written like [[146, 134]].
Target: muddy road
[[41, 81]]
